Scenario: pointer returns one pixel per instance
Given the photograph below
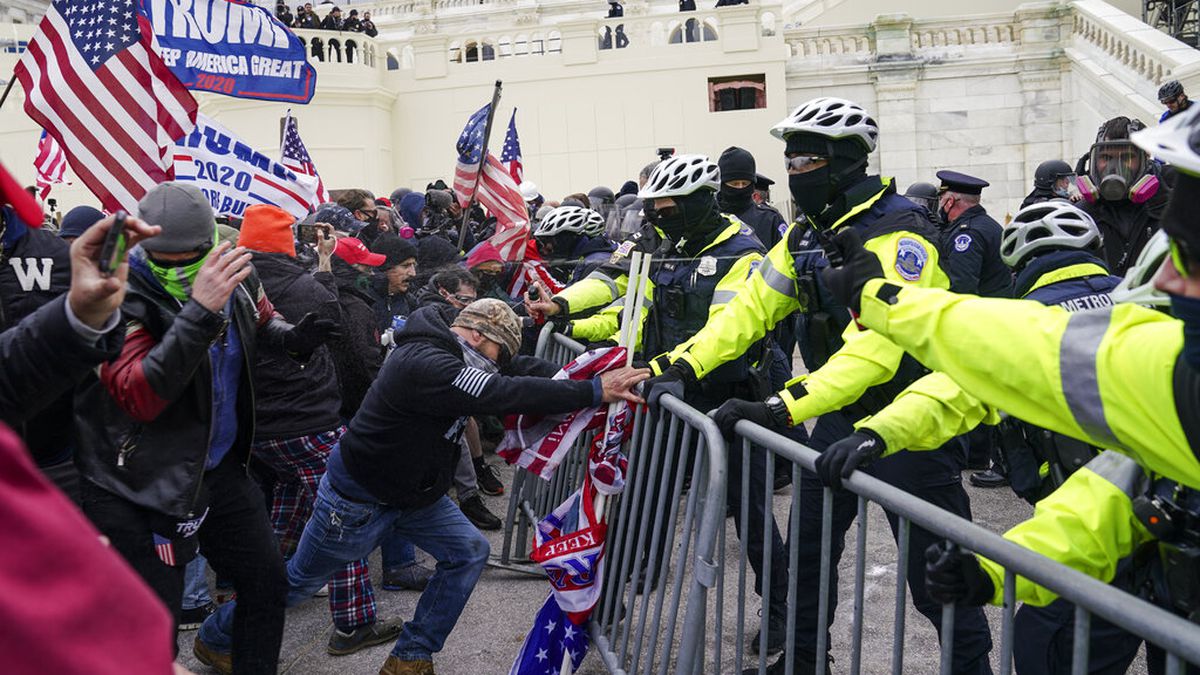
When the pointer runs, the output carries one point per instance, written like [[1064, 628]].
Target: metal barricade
[[662, 539], [1179, 638], [531, 498]]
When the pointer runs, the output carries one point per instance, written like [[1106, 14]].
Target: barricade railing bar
[[1175, 635]]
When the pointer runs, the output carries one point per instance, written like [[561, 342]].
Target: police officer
[[971, 240], [1172, 96], [762, 189], [1143, 368], [710, 256], [571, 240], [736, 196], [1053, 179], [926, 195], [828, 141]]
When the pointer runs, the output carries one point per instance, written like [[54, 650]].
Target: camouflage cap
[[495, 320]]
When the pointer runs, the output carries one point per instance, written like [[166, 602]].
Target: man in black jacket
[[391, 470], [35, 268], [296, 414], [167, 429]]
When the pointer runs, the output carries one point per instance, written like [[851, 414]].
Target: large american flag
[[93, 80], [497, 191], [510, 154], [51, 165], [295, 157]]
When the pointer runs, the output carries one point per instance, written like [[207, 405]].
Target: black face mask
[[810, 191], [735, 199], [487, 281], [688, 216]]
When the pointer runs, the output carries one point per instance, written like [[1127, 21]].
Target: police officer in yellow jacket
[[828, 141], [1126, 378]]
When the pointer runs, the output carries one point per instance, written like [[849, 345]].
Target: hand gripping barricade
[[1175, 635]]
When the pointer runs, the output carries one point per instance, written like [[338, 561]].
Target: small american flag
[[295, 157], [51, 165], [510, 154], [165, 549], [497, 191], [95, 83]]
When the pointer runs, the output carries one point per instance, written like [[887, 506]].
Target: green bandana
[[177, 280]]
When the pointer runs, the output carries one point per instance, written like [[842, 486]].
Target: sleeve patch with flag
[[472, 380]]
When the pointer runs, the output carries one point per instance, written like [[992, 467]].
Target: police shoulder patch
[[962, 242], [911, 257]]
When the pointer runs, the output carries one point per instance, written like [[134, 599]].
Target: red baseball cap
[[23, 204], [354, 252]]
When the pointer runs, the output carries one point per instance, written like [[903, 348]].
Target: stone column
[[895, 73]]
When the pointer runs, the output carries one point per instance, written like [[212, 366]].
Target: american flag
[[51, 165], [510, 154], [497, 191], [94, 81], [165, 549], [295, 157]]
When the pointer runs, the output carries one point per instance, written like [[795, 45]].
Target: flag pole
[[483, 157], [7, 88]]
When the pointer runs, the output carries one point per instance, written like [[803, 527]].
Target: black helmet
[[1169, 91], [921, 191], [1050, 171]]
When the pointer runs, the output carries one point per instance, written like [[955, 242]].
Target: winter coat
[[294, 398], [403, 444], [357, 354]]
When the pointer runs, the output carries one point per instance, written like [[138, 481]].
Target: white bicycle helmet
[[571, 219], [1047, 225], [681, 175], [1176, 141], [833, 118], [1137, 286]]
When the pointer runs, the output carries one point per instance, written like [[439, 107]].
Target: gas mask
[[1117, 170]]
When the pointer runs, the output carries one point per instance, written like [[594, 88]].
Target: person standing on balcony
[[367, 25], [334, 21], [281, 12], [1174, 98], [615, 10]]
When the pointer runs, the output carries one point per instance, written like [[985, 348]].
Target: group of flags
[[111, 108], [484, 179]]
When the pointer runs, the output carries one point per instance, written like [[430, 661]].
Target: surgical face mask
[[810, 191]]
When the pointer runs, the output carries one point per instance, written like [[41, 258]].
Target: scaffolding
[[1178, 18]]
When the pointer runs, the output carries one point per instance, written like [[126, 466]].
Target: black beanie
[[394, 249], [736, 164]]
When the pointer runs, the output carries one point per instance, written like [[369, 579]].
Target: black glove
[[858, 266], [674, 381], [840, 460], [312, 332], [736, 409], [954, 576]]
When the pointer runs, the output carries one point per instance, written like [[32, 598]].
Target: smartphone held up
[[115, 243]]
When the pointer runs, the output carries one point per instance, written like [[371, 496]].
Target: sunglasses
[[802, 162], [464, 299]]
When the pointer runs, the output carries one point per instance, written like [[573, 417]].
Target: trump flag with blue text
[[232, 48], [570, 548]]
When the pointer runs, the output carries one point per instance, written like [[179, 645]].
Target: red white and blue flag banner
[[94, 81], [232, 175], [532, 272], [51, 165], [496, 192], [539, 443], [231, 47], [510, 154], [294, 155], [569, 546]]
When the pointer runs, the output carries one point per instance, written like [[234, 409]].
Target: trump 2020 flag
[[233, 175], [570, 548]]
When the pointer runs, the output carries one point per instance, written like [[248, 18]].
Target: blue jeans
[[397, 552], [341, 530], [195, 583]]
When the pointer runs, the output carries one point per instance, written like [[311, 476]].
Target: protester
[[443, 371], [391, 284], [367, 25]]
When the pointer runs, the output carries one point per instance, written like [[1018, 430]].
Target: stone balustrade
[[1145, 53], [330, 47]]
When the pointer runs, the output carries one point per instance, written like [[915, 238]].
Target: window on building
[[740, 92]]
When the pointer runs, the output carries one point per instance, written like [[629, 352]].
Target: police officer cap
[[961, 182], [921, 191], [761, 182]]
